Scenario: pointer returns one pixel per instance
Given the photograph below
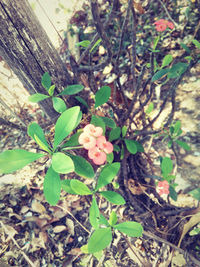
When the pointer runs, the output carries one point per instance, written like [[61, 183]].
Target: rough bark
[[25, 46]]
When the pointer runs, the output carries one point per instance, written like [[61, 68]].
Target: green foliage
[[132, 229], [52, 187], [107, 174], [109, 122], [98, 121], [160, 74], [82, 167], [99, 240], [195, 193], [114, 134], [166, 60], [113, 218], [113, 197], [94, 214], [65, 184], [46, 81], [62, 163], [65, 124], [13, 160], [172, 193], [72, 89], [102, 96], [166, 166], [131, 146], [59, 104], [35, 98], [80, 188]]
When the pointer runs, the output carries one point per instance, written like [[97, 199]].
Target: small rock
[[195, 161]]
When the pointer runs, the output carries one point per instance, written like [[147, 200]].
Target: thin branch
[[169, 16], [13, 125]]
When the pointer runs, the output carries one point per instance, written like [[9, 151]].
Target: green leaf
[[133, 229], [35, 130], [131, 146], [183, 145], [46, 81], [155, 42], [172, 193], [13, 160], [66, 124], [51, 90], [177, 127], [113, 197], [65, 184], [103, 220], [114, 134], [52, 186], [73, 140], [62, 163], [195, 193], [166, 60], [59, 104], [94, 214], [99, 240], [139, 146], [42, 145], [82, 167], [124, 130], [82, 101], [109, 122], [72, 89], [96, 44], [186, 48], [102, 96], [196, 43], [84, 43], [122, 153], [110, 158], [150, 108], [37, 97], [159, 74], [113, 218], [177, 70], [166, 165], [80, 188], [116, 148], [107, 174], [97, 121]]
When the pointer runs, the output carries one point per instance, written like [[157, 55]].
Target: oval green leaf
[[13, 160], [66, 124], [73, 140], [131, 146], [159, 74], [183, 145], [62, 163], [72, 89], [113, 197], [107, 174], [46, 80], [114, 134], [102, 96], [80, 188], [133, 229], [113, 218], [35, 130], [82, 167], [109, 122], [166, 165], [51, 90], [65, 184], [42, 145], [195, 193], [59, 104], [166, 60], [52, 187], [94, 214], [99, 240], [37, 97]]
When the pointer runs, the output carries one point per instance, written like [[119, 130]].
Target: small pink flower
[[87, 141], [162, 188], [97, 156], [162, 24], [105, 145], [92, 130], [170, 25]]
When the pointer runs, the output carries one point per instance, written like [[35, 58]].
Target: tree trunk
[[25, 46]]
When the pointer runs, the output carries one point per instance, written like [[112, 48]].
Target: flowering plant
[[162, 24]]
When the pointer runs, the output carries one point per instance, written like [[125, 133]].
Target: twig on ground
[[15, 242]]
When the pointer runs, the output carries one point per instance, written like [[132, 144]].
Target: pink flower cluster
[[162, 188], [162, 24], [96, 144]]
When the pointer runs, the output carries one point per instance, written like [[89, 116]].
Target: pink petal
[[101, 141], [98, 131], [100, 158], [161, 27], [170, 25], [89, 129], [87, 141], [108, 147], [92, 152]]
